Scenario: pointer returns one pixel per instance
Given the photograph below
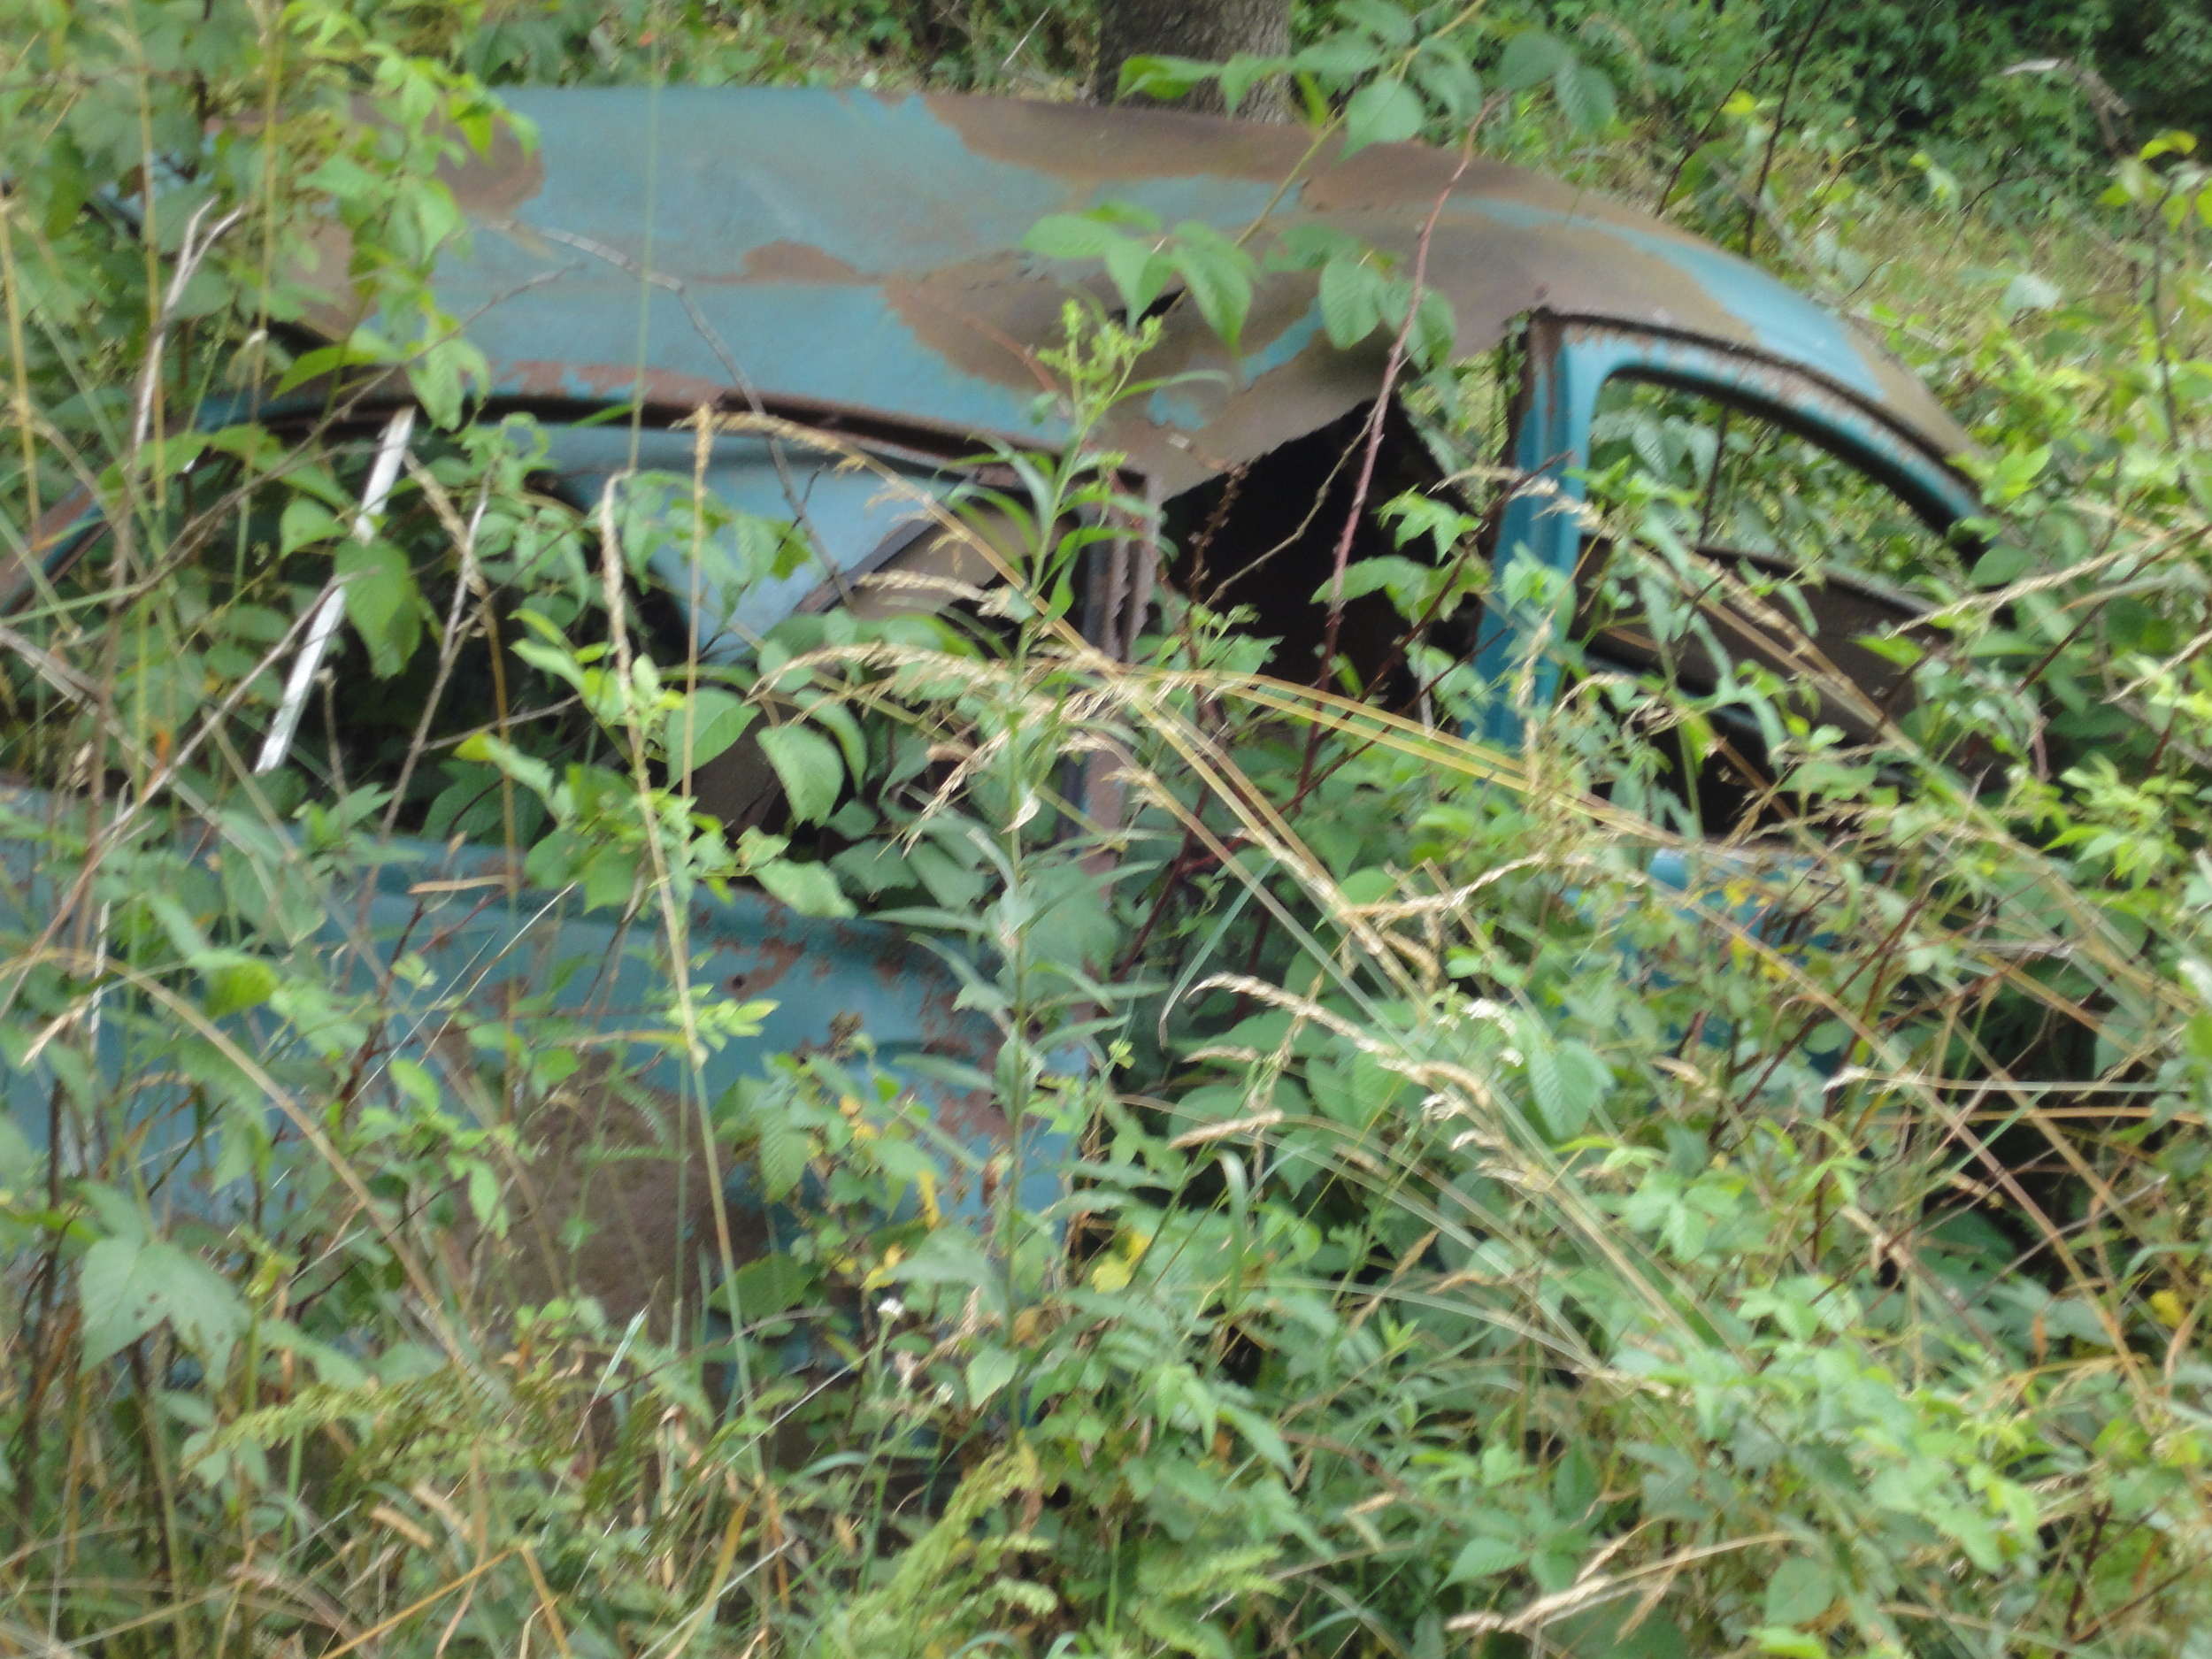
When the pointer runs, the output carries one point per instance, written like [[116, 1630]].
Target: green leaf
[[1598, 1631], [127, 1286], [1128, 215], [365, 347], [1790, 1643], [1449, 80], [1532, 55], [715, 720], [1260, 1435], [990, 1371], [1585, 94], [1070, 236], [1569, 1081], [118, 1308], [1574, 1484], [1383, 571], [774, 1285], [783, 1153], [1166, 78], [1384, 111], [306, 523], [1485, 1558], [609, 876], [1370, 885], [1799, 1592], [1308, 247], [1386, 22], [1341, 58], [1244, 71], [1351, 301], [1434, 328], [1139, 272], [812, 771], [239, 982], [1218, 275], [2006, 561], [810, 889], [527, 769], [1412, 515], [483, 1189], [383, 603]]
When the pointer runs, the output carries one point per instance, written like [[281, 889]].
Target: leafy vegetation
[[1512, 1206]]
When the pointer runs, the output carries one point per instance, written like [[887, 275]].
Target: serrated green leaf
[[1799, 1592], [810, 889], [809, 766], [1383, 111], [1443, 72], [1485, 1558], [1306, 247], [1585, 94], [1070, 236], [1563, 1116], [1351, 301], [774, 1285], [527, 769], [383, 603], [713, 720], [1243, 71], [1218, 275], [127, 1286], [1341, 58], [1166, 78], [240, 982], [1139, 272], [989, 1371], [1386, 22], [305, 523], [783, 1152], [1366, 576], [1434, 330], [1260, 1435], [1531, 56]]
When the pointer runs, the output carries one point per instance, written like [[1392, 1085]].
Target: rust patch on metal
[[796, 262], [1092, 143]]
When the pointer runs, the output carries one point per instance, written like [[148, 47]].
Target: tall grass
[[1491, 1219]]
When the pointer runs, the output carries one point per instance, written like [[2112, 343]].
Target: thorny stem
[[1378, 419]]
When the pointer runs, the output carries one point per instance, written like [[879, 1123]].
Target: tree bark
[[1212, 30]]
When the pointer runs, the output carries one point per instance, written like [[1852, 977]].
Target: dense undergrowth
[[1506, 1211]]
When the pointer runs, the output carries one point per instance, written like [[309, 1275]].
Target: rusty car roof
[[859, 254]]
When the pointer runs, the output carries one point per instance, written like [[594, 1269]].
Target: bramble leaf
[[1384, 111], [812, 771]]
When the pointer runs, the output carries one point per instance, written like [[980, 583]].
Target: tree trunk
[[1212, 30]]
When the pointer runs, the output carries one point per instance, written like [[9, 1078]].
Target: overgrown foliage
[[1508, 1206]]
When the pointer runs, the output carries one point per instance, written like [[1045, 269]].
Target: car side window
[[1757, 574], [1741, 482]]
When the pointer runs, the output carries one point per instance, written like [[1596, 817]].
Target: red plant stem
[[1377, 416]]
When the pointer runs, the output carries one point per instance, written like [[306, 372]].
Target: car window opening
[[1756, 548]]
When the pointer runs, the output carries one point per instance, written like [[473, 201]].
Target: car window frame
[[1568, 362]]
